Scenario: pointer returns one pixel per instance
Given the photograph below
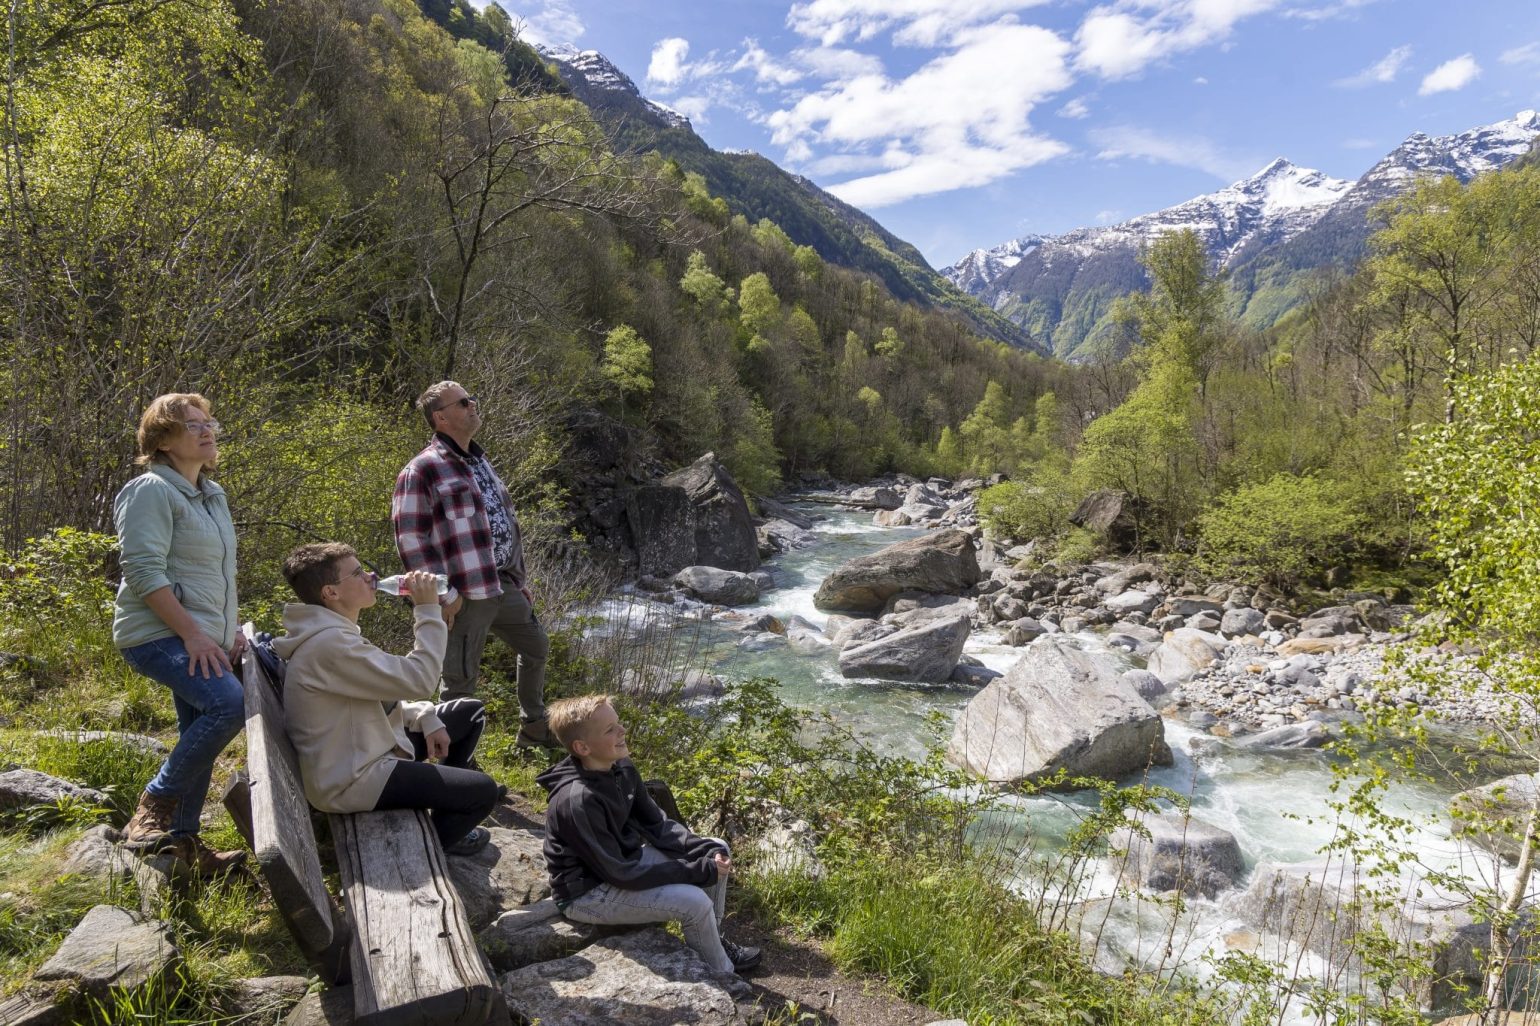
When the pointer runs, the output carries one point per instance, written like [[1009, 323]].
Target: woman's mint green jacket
[[174, 534]]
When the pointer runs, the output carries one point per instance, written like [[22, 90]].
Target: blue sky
[[964, 123]]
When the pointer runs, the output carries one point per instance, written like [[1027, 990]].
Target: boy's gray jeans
[[697, 909]]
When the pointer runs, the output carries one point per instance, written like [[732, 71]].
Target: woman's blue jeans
[[209, 713]]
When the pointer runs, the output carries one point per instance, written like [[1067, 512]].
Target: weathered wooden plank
[[282, 837], [237, 801], [415, 960]]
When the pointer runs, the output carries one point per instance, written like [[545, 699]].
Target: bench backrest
[[282, 835]]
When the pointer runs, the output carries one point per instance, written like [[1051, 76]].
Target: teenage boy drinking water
[[359, 717], [613, 856]]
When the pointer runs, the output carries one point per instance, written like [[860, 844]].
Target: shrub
[[1280, 531], [1023, 510]]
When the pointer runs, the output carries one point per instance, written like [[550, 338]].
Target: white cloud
[[1529, 53], [693, 107], [1339, 9], [1450, 76], [924, 23], [767, 71], [1200, 80], [956, 122], [667, 66], [1075, 109], [1138, 143], [546, 24], [1381, 71], [1122, 39], [837, 63]]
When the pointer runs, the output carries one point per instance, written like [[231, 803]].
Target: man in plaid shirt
[[454, 516]]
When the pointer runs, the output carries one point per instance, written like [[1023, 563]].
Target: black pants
[[456, 798]]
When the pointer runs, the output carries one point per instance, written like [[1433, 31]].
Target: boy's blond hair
[[568, 718]]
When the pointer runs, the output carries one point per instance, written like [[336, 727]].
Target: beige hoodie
[[335, 691]]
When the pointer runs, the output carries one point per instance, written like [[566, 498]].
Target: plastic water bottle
[[396, 584]]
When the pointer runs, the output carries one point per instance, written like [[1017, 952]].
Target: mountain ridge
[[1264, 230]]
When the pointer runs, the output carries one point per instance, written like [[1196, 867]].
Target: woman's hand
[[724, 865], [422, 588], [238, 649], [204, 655], [438, 745]]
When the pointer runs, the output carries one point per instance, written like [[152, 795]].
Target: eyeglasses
[[463, 402], [358, 571], [202, 427]]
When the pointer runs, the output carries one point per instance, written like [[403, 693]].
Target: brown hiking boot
[[205, 861], [150, 829], [537, 734]]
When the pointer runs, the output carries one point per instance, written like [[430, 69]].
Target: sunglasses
[[463, 402]]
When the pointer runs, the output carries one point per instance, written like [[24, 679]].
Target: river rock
[[908, 607], [1122, 580], [875, 497], [941, 563], [1181, 854], [858, 632], [782, 536], [1133, 602], [1305, 734], [1192, 605], [1493, 816], [1058, 708], [508, 872], [1024, 631], [96, 853], [1242, 621], [112, 949], [645, 978], [1148, 686], [1184, 652], [537, 933], [1322, 905], [721, 587], [891, 518], [21, 788], [927, 651], [969, 675]]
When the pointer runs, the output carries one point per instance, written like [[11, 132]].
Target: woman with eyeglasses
[[175, 618]]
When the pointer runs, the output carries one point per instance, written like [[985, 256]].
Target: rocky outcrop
[[1184, 653], [507, 873], [536, 933], [21, 788], [927, 652], [694, 516], [112, 950], [1058, 708], [940, 563], [1110, 514], [645, 978]]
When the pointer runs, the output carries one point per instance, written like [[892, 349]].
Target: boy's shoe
[[150, 828], [471, 843], [742, 956], [537, 734]]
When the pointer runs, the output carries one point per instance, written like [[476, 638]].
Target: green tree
[[701, 284], [985, 433], [1180, 318], [759, 307], [627, 362]]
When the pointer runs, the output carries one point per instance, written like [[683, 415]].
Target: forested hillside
[[311, 210]]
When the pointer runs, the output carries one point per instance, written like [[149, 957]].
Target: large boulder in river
[[927, 651], [941, 563], [722, 587], [1180, 854], [693, 517], [1058, 708]]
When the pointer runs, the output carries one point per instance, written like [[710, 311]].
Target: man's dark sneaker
[[742, 956], [471, 843]]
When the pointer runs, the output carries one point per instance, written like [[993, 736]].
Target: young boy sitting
[[358, 716], [613, 856]]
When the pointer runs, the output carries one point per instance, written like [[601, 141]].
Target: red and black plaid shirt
[[441, 520]]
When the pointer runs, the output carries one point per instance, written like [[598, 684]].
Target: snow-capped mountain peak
[[598, 73]]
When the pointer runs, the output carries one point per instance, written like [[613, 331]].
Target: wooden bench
[[411, 956]]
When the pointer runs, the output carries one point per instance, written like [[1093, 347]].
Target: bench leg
[[237, 799]]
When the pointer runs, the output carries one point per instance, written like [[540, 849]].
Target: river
[[1274, 802]]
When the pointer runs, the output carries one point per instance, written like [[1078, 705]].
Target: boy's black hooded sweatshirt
[[596, 824]]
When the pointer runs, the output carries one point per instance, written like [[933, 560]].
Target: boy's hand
[[724, 865], [422, 588], [452, 607], [438, 744]]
